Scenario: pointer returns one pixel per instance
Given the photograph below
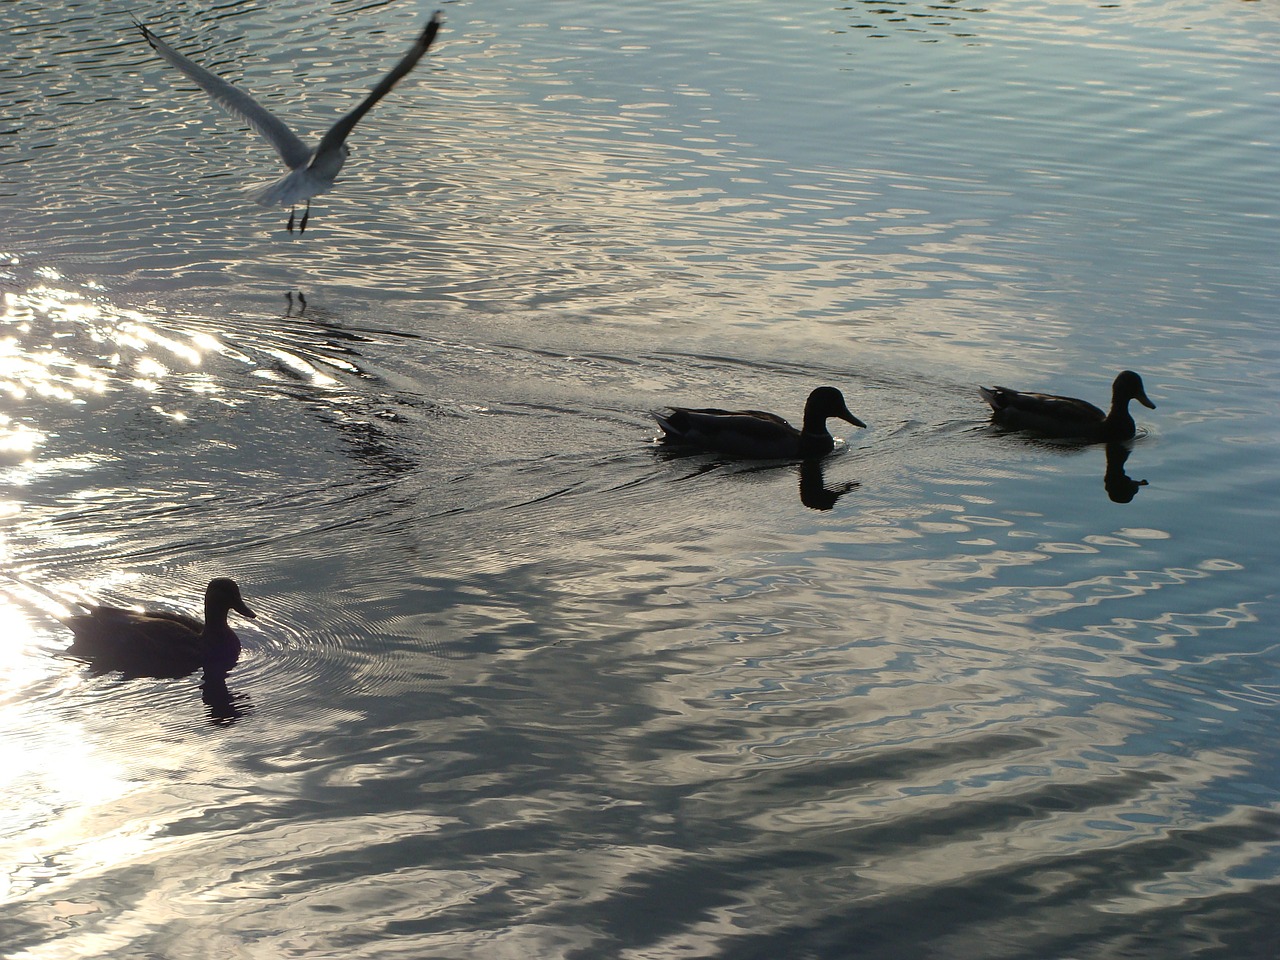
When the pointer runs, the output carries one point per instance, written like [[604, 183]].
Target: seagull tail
[[294, 187]]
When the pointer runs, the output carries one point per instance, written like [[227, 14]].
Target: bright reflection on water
[[523, 682]]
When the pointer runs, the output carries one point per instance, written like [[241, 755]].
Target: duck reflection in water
[[149, 643], [814, 492], [225, 707], [1121, 488]]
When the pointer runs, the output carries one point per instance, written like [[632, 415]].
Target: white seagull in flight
[[311, 172]]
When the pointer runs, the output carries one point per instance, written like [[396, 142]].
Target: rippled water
[[523, 683]]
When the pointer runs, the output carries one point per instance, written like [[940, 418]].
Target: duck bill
[[242, 608], [1143, 399], [850, 418]]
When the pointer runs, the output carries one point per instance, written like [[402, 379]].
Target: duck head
[[827, 402], [221, 595], [1128, 386]]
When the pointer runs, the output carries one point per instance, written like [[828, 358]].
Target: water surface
[[523, 683]]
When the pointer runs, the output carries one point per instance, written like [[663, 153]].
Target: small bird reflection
[[1121, 488]]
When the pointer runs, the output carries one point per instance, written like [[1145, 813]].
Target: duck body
[[755, 434], [1068, 417], [159, 643]]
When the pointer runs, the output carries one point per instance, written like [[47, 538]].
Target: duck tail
[[664, 421]]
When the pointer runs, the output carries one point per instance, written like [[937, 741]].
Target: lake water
[[522, 683]]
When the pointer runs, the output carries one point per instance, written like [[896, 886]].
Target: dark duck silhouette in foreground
[[1055, 416], [756, 435], [162, 644]]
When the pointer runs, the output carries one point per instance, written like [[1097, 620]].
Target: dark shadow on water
[[1050, 905], [927, 22], [319, 339]]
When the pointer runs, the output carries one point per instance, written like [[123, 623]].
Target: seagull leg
[[305, 214], [290, 226]]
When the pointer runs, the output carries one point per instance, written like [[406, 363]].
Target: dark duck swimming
[[1055, 416], [162, 644], [756, 435]]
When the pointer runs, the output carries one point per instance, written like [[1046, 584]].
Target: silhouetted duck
[[1066, 416], [757, 435], [159, 643]]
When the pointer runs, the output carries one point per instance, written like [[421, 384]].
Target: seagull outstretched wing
[[310, 173], [292, 151], [340, 130]]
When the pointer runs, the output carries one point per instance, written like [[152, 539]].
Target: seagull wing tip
[[147, 35]]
